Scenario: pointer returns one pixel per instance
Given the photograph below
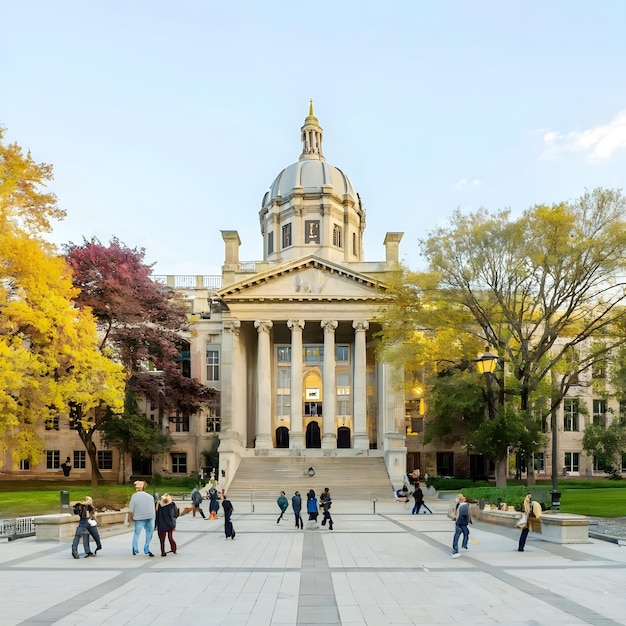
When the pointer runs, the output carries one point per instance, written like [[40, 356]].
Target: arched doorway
[[313, 439], [343, 437], [282, 437]]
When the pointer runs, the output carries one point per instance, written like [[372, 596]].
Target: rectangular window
[[80, 459], [599, 412], [105, 459], [539, 462], [181, 423], [571, 461], [284, 378], [52, 423], [24, 464], [622, 412], [283, 405], [270, 243], [570, 414], [284, 354], [53, 459], [179, 463], [598, 369], [598, 464], [342, 354], [623, 461], [213, 420], [337, 236], [212, 365], [286, 235], [313, 409], [354, 250], [311, 231], [313, 354]]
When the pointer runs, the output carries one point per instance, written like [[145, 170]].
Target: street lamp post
[[486, 365]]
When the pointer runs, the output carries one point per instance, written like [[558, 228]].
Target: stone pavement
[[387, 568]]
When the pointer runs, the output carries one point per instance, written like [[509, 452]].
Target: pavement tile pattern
[[381, 568]]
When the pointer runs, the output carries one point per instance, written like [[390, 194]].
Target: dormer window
[[337, 236], [270, 242], [286, 235]]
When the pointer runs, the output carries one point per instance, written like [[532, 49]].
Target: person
[[283, 503], [415, 476], [402, 495], [532, 509], [92, 525], [296, 503], [228, 508], [141, 506], [196, 501], [462, 518], [214, 503], [83, 510], [418, 495], [66, 466], [326, 501], [165, 522], [311, 506]]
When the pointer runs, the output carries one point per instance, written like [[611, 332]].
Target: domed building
[[290, 340]]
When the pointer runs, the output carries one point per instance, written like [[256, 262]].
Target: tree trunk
[[501, 471]]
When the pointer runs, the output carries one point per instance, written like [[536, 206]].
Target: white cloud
[[598, 142], [464, 183]]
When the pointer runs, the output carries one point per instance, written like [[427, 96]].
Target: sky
[[166, 122]]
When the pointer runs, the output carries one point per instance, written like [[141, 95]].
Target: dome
[[309, 177], [311, 174]]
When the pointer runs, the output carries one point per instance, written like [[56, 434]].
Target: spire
[[311, 134]]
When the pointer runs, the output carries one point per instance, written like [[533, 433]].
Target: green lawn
[[598, 502]]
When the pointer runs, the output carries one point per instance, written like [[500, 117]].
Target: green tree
[[606, 444]]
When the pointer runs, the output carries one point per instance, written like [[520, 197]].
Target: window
[[80, 459], [342, 354], [337, 232], [311, 231], [622, 412], [270, 242], [570, 417], [313, 354], [284, 354], [286, 235], [599, 412], [105, 459], [52, 423], [53, 459], [179, 463], [598, 369], [181, 423], [539, 462], [24, 464], [623, 461], [212, 365], [283, 405], [284, 378], [343, 394], [598, 464], [213, 420], [354, 249], [571, 461], [312, 409]]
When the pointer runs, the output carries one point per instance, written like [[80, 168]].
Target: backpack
[[176, 511], [196, 498]]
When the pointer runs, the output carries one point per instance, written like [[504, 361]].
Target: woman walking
[[229, 531], [532, 510], [165, 522], [311, 507]]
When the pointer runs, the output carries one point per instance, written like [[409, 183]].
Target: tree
[[535, 287], [606, 444], [141, 323], [49, 356]]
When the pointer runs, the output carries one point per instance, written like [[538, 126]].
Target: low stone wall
[[555, 526], [60, 526]]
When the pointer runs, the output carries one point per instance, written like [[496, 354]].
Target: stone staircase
[[353, 478]]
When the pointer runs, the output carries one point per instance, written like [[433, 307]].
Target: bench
[[60, 526]]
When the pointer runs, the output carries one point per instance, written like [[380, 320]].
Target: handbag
[[92, 522], [522, 521]]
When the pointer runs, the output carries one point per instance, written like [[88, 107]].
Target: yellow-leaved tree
[[49, 356]]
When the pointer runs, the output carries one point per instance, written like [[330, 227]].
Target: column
[[231, 415], [264, 386], [329, 436], [296, 435], [360, 438]]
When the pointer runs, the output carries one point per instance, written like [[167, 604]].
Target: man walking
[[283, 503], [142, 508], [296, 503], [461, 520]]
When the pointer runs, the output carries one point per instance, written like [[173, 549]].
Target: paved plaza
[[376, 569]]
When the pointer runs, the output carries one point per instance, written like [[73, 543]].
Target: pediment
[[306, 280]]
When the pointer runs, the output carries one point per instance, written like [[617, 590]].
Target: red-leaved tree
[[140, 322]]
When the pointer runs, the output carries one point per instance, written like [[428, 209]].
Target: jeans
[[81, 532], [93, 531], [457, 533], [148, 526], [522, 539]]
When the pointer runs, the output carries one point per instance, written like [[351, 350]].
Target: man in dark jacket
[[283, 503], [296, 503]]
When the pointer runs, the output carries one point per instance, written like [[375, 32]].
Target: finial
[[311, 107]]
